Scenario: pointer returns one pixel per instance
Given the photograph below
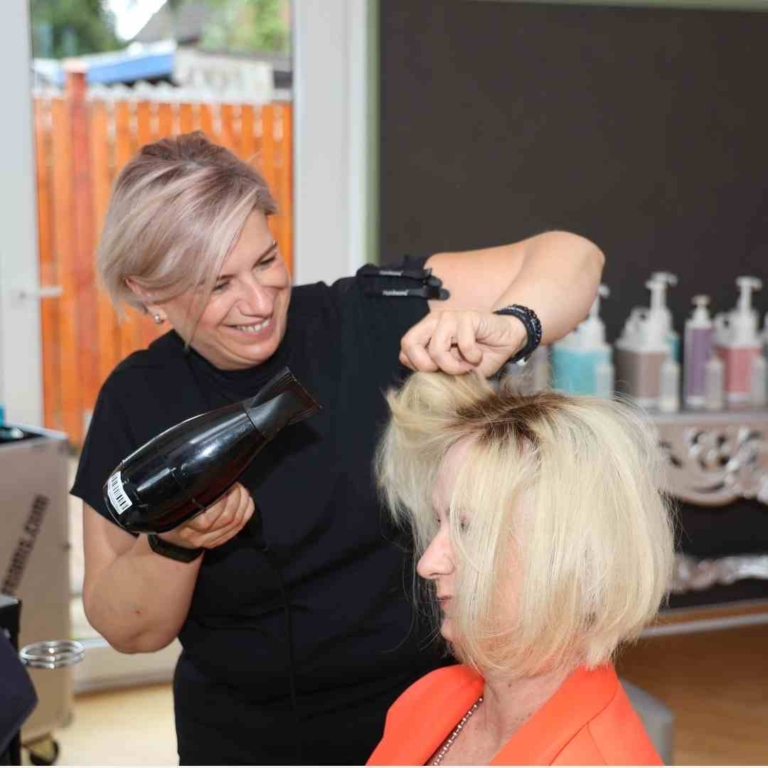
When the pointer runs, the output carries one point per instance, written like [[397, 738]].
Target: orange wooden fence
[[81, 145]]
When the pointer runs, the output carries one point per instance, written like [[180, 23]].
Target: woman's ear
[[157, 312]]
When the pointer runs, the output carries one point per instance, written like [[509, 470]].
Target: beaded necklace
[[456, 731]]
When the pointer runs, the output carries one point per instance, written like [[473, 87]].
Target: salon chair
[[657, 717]]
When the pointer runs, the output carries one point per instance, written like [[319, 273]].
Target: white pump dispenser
[[652, 325], [700, 316], [743, 320], [659, 298], [590, 334], [662, 280], [644, 346]]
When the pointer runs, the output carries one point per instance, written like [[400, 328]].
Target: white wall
[[20, 366], [333, 129]]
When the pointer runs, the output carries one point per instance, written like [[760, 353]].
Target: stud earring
[[159, 320]]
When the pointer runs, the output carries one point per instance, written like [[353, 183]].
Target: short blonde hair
[[565, 488], [177, 209]]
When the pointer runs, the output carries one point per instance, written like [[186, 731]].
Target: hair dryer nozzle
[[280, 402]]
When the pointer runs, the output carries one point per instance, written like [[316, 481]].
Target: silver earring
[[156, 317]]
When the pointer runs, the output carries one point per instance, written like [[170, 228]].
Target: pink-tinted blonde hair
[[177, 209]]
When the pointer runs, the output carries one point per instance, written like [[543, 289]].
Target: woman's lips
[[257, 330]]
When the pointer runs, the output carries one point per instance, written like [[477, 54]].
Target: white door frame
[[20, 345], [335, 125]]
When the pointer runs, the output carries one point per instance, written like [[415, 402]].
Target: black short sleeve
[[372, 324], [108, 442]]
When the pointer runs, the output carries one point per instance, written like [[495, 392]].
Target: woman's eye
[[219, 287], [264, 263]]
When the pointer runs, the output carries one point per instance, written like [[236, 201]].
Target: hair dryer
[[185, 469]]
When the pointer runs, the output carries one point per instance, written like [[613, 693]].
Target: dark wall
[[644, 129]]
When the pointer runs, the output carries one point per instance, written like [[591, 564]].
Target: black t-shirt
[[355, 639]]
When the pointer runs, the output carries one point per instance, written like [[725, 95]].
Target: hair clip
[[425, 292], [422, 275]]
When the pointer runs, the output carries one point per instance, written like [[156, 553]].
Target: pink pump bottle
[[738, 343]]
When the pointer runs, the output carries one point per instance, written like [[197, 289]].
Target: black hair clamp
[[401, 282]]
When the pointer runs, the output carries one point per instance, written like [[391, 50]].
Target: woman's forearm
[[559, 279], [140, 600]]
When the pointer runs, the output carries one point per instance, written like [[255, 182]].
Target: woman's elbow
[[142, 642], [588, 253], [145, 643], [595, 256], [127, 636]]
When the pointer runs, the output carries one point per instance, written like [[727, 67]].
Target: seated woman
[[545, 544]]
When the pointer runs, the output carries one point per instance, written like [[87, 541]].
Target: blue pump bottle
[[582, 362]]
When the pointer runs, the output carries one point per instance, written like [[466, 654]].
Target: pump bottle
[[714, 375], [643, 348], [738, 343], [759, 385], [582, 362], [659, 298], [697, 350]]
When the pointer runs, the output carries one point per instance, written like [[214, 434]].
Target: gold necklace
[[456, 731]]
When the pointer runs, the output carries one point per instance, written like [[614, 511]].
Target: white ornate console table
[[716, 459]]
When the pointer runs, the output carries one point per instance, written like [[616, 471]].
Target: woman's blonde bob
[[562, 500], [177, 209]]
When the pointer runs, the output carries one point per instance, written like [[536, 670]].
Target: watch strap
[[532, 325], [173, 551]]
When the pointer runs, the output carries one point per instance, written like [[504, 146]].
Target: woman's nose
[[437, 559], [256, 299]]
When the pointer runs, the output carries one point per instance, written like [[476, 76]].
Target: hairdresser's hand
[[218, 524], [460, 341]]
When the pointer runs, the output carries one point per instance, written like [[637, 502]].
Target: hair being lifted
[[564, 490]]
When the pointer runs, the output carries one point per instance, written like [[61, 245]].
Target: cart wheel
[[44, 751]]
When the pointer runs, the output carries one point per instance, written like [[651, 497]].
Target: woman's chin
[[446, 630]]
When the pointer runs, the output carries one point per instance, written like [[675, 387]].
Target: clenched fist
[[459, 341]]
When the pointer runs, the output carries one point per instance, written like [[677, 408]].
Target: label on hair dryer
[[118, 497]]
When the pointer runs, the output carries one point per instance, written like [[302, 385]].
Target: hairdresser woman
[[294, 648]]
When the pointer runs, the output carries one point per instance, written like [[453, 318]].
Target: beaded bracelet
[[532, 327]]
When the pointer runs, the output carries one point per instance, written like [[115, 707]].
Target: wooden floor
[[715, 682], [132, 726]]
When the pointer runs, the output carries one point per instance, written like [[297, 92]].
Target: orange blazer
[[589, 721]]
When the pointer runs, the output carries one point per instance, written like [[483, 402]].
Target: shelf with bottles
[[711, 418], [724, 365], [712, 421]]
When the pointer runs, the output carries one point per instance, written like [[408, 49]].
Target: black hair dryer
[[185, 469]]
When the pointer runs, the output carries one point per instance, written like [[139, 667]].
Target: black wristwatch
[[532, 327], [174, 551]]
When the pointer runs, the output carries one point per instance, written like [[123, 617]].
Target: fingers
[[466, 340], [220, 514], [220, 522], [241, 519], [413, 347], [443, 341]]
